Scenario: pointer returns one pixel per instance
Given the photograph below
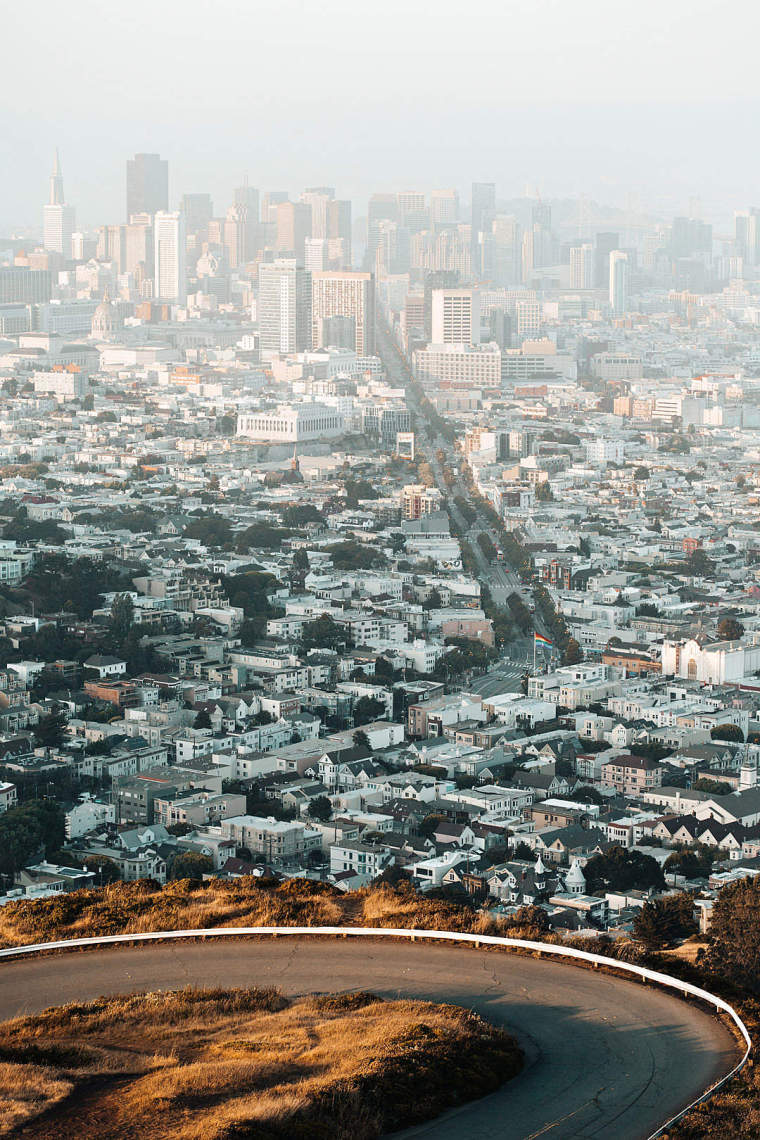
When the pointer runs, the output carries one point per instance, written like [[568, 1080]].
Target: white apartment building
[[455, 316], [170, 273], [292, 424], [582, 266], [63, 385], [459, 364], [602, 450], [284, 307], [349, 295]]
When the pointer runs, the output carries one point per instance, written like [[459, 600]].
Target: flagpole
[[534, 654]]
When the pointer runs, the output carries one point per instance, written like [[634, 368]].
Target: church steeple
[[56, 183]]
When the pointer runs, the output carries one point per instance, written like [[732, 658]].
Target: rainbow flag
[[540, 640]]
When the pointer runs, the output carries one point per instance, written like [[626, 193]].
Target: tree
[[300, 563], [27, 831], [734, 952], [432, 601], [322, 633], [49, 730], [572, 653], [729, 629], [660, 922], [730, 732], [106, 869], [202, 720], [300, 515], [698, 565], [320, 808], [622, 870], [368, 709], [544, 493], [122, 616], [522, 851], [361, 740], [191, 865], [690, 864], [641, 474], [714, 787]]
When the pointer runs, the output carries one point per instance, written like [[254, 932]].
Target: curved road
[[605, 1057]]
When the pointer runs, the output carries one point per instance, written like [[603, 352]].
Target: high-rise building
[[483, 209], [604, 243], [247, 196], [319, 199], [620, 272], [147, 184], [444, 207], [236, 236], [316, 254], [747, 235], [349, 295], [690, 236], [198, 210], [381, 207], [582, 266], [293, 228], [455, 316], [269, 203], [170, 277], [412, 211], [339, 233], [284, 307], [58, 219]]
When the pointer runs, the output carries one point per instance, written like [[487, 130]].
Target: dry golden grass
[[222, 1065], [131, 908]]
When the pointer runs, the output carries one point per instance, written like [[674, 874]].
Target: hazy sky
[[660, 98]]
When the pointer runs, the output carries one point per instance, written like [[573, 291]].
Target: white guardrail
[[438, 936]]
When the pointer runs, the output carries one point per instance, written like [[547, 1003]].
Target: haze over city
[[379, 570]]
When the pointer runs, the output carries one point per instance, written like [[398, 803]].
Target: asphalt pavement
[[606, 1058]]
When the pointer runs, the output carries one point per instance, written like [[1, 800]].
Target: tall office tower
[[147, 185], [170, 277], [139, 252], [269, 203], [690, 236], [392, 251], [620, 272], [455, 316], [236, 241], [349, 295], [483, 209], [284, 306], [412, 211], [582, 266], [500, 327], [247, 196], [437, 279], [316, 254], [506, 250], [110, 246], [339, 232], [528, 316], [381, 207], [319, 199], [444, 207], [747, 235], [293, 228], [604, 244], [58, 219], [541, 214], [198, 210]]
